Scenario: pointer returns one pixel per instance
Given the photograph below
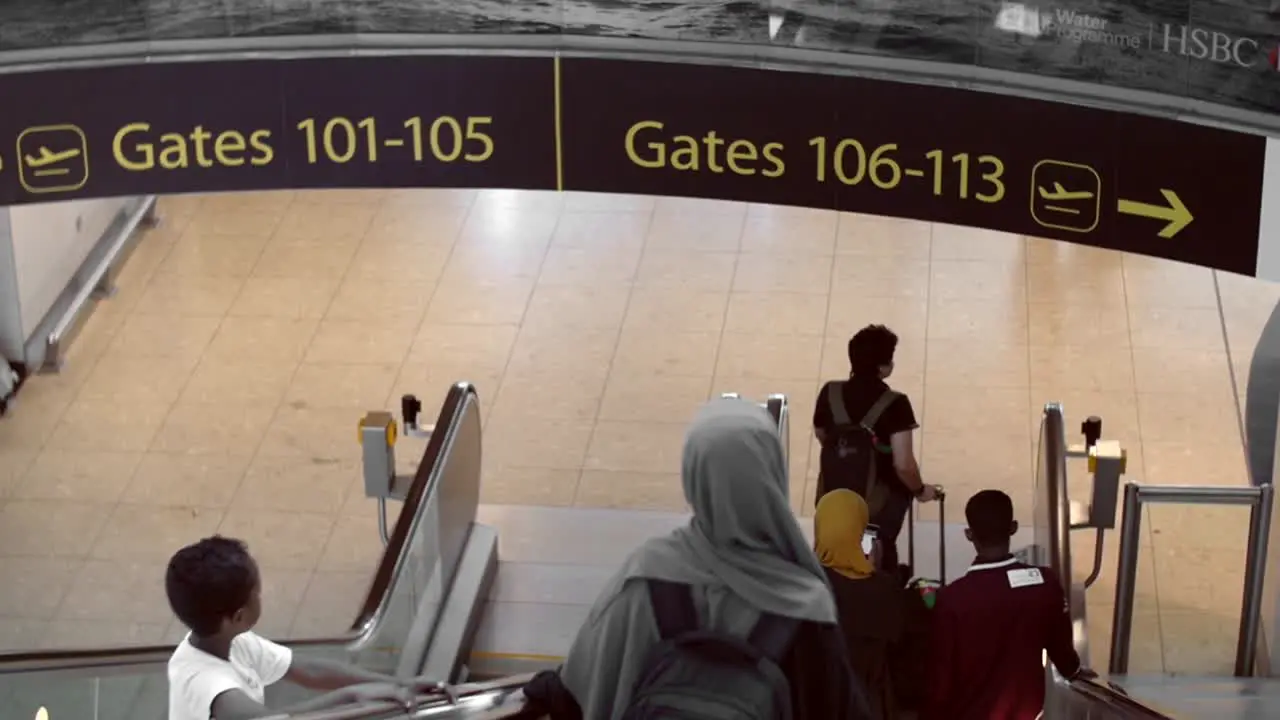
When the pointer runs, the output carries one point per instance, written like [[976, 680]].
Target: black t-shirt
[[859, 395]]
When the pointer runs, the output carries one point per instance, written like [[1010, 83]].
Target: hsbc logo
[[1211, 45], [1189, 41]]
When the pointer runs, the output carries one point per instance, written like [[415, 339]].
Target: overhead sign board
[[352, 122], [1101, 178]]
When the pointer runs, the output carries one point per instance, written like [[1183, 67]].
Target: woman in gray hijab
[[743, 555]]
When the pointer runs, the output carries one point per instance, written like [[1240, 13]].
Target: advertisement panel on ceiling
[[1223, 53], [1099, 178]]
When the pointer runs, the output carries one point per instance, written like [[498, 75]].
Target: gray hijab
[[742, 550], [743, 534]]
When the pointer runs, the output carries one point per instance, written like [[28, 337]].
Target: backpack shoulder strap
[[835, 398], [673, 608], [877, 409], [773, 634]]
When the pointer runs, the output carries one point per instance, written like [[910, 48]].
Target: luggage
[[848, 459], [707, 675], [927, 587]]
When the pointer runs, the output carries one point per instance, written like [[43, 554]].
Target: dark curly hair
[[209, 581]]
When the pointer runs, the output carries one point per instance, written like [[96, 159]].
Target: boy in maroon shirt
[[993, 626]]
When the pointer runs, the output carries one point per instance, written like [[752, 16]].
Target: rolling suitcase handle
[[942, 536]]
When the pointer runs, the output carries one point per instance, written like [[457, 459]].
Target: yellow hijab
[[838, 526]]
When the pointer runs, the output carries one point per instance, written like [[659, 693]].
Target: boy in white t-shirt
[[221, 669]]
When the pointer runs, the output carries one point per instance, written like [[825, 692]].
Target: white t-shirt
[[196, 677]]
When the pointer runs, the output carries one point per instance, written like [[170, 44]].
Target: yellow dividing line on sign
[[559, 159]]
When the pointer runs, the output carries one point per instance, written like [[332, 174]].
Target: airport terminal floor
[[219, 390]]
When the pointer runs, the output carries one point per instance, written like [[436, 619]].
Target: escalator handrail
[[370, 617], [1102, 692], [1053, 456], [501, 698]]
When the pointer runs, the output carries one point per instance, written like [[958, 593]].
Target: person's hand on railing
[[428, 686], [1084, 673], [380, 692]]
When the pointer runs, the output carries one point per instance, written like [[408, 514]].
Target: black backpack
[[705, 675], [849, 452]]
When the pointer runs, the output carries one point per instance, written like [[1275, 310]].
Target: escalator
[[428, 604], [1161, 696], [1051, 547], [417, 616]]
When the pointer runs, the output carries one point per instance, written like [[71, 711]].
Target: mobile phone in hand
[[869, 538]]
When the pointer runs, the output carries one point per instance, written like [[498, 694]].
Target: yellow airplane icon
[[53, 159], [1061, 194], [49, 157], [1054, 206]]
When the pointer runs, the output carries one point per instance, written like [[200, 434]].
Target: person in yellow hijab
[[885, 625], [838, 527]]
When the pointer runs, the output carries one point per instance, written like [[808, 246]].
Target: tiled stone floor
[[219, 390]]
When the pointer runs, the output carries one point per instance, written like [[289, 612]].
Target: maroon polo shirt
[[991, 630]]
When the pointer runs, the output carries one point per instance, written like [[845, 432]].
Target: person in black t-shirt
[[871, 362]]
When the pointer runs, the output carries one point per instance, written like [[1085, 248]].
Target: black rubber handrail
[[1053, 459]]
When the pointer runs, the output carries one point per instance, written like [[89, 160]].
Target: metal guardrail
[[1258, 499], [98, 282]]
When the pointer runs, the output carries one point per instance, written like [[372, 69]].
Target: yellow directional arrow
[[1175, 213]]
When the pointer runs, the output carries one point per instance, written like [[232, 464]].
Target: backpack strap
[[772, 635], [835, 398], [877, 409], [672, 608]]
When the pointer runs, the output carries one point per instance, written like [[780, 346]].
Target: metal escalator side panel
[[1098, 698]]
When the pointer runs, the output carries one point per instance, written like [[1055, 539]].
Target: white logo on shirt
[[1024, 577]]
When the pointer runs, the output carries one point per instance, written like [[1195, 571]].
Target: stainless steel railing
[[98, 282], [1258, 499]]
